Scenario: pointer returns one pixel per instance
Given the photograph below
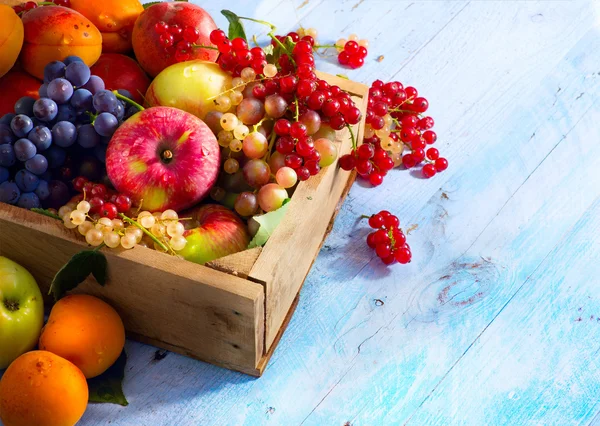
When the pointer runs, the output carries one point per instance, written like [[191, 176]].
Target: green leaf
[[76, 270], [269, 49], [46, 213], [108, 387], [268, 222], [236, 29], [152, 3]]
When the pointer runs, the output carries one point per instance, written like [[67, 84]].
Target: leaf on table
[[236, 28], [268, 222], [77, 269], [108, 387], [46, 213]]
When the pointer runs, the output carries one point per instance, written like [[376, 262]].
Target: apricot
[[54, 32], [11, 38], [13, 86], [42, 389], [122, 72], [86, 331], [114, 19], [151, 54]]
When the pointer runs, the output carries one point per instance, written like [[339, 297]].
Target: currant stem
[[287, 52], [145, 231], [296, 117], [364, 216], [352, 136], [270, 148], [325, 46], [99, 247], [129, 101], [201, 46], [268, 24], [257, 125]]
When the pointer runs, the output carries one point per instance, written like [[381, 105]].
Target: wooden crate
[[230, 312]]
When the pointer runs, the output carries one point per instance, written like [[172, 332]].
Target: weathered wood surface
[[495, 321]]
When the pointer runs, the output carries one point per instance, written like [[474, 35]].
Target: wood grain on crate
[[190, 308]]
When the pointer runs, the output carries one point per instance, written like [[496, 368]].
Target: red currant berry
[[282, 127], [432, 154], [371, 240], [306, 88], [429, 136], [389, 260], [384, 213], [191, 34], [303, 173], [425, 123], [313, 167], [380, 108], [109, 210], [364, 167], [399, 237], [409, 161], [305, 147], [309, 40], [284, 145], [78, 183], [96, 204], [362, 52], [377, 122], [98, 190], [403, 255], [337, 122], [316, 100], [407, 134], [420, 104], [30, 5], [366, 151], [356, 62], [298, 130], [288, 84], [376, 178], [175, 30], [441, 164], [259, 91], [166, 40], [239, 43], [411, 92], [331, 107], [383, 250], [352, 115], [344, 58], [294, 161], [409, 121], [391, 221], [376, 221], [217, 36], [351, 47], [381, 237], [302, 47], [417, 143], [347, 162], [123, 203], [419, 155], [87, 187], [294, 36], [224, 46], [428, 171]]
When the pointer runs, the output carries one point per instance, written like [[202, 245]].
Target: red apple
[[214, 231], [122, 72], [151, 54], [163, 158]]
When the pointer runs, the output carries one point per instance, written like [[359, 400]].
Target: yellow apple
[[191, 86]]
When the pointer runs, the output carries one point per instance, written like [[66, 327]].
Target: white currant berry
[[83, 206], [147, 221], [112, 239], [241, 131], [175, 228], [64, 210], [229, 122], [128, 241], [248, 74], [104, 225], [77, 217], [85, 227], [270, 70], [169, 215], [178, 242], [94, 237]]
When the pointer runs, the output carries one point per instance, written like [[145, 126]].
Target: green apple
[[191, 86], [21, 311]]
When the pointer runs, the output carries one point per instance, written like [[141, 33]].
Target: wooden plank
[[279, 266], [205, 312], [238, 264], [537, 361]]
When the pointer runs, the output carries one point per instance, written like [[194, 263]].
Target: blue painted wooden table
[[497, 319]]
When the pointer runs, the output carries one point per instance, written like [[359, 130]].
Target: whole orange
[[86, 331], [54, 32], [114, 19], [42, 389], [11, 38]]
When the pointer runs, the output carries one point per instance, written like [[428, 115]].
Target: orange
[[86, 331], [42, 389], [11, 38]]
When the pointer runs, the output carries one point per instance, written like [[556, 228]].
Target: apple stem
[[129, 101], [145, 231], [166, 156]]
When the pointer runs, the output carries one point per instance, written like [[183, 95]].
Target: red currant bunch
[[396, 121], [353, 54], [24, 7], [177, 40], [103, 202], [388, 241], [235, 55], [370, 161]]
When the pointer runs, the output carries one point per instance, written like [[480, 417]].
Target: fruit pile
[[83, 338], [243, 125]]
